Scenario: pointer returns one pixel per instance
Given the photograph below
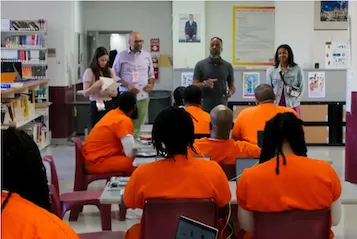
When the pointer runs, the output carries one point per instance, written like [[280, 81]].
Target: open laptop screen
[[191, 229], [243, 163]]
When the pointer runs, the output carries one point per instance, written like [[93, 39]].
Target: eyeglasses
[[139, 41]]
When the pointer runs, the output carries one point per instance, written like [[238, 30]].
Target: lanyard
[[5, 201]]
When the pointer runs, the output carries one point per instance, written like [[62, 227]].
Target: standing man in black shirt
[[213, 75]]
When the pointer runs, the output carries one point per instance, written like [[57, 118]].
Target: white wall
[[119, 42], [152, 19], [294, 25], [186, 55], [59, 17]]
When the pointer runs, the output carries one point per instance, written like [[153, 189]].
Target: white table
[[349, 194]]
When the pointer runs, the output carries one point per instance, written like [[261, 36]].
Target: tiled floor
[[89, 220]]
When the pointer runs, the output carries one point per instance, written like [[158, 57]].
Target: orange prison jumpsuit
[[201, 119], [303, 183], [22, 219], [225, 151], [182, 178], [102, 150], [253, 119]]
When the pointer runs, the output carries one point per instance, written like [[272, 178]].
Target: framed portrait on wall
[[189, 28], [331, 15]]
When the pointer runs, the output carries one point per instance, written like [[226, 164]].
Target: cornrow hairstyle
[[23, 169], [284, 126], [173, 132]]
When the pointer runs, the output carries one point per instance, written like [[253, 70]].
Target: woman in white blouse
[[92, 85], [287, 79]]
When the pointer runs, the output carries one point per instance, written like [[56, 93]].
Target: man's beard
[[215, 55]]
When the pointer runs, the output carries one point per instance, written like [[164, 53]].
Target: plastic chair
[[61, 203], [295, 224], [229, 170], [102, 235], [160, 216], [82, 179]]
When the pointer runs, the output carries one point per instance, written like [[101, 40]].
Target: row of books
[[38, 72], [18, 109], [24, 55], [14, 25], [37, 130], [35, 40]]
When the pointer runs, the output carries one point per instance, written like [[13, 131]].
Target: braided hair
[[173, 132], [23, 169], [283, 127]]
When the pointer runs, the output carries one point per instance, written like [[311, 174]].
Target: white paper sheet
[[186, 78], [317, 84]]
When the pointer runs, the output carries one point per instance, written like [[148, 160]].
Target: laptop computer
[[260, 136], [243, 163], [11, 67], [191, 229]]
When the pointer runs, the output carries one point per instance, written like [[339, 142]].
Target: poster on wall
[[317, 84], [251, 80], [189, 28], [253, 35], [331, 15], [186, 78], [154, 45], [337, 55]]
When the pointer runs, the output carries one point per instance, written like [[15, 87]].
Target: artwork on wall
[[251, 80], [186, 78], [331, 15], [317, 84], [189, 28]]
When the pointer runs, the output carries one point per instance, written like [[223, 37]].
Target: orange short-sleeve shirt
[[303, 183], [201, 119], [104, 139], [253, 119], [21, 219], [225, 151]]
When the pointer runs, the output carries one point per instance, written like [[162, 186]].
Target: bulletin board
[[253, 35]]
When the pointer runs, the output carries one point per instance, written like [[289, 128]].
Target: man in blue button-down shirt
[[134, 69]]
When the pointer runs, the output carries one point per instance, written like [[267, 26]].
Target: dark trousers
[[96, 115]]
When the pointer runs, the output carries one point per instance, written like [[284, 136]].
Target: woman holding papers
[[97, 85], [287, 79]]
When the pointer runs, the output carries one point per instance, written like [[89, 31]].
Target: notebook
[[191, 229], [243, 163]]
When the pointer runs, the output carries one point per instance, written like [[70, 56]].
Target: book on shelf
[[20, 25], [24, 55], [18, 109], [11, 85], [34, 40]]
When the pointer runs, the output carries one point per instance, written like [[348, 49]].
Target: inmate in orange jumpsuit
[[225, 151], [103, 150], [192, 178], [253, 119], [201, 119], [22, 219], [303, 183]]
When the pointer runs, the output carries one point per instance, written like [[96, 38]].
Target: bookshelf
[[25, 41], [25, 103]]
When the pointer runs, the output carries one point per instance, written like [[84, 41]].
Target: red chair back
[[160, 216], [80, 161], [54, 187], [295, 224]]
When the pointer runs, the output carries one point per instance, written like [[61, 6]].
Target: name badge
[[135, 75], [294, 92]]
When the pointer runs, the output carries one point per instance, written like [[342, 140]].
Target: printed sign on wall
[[155, 45]]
